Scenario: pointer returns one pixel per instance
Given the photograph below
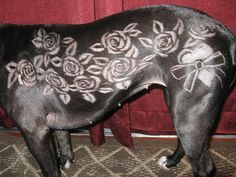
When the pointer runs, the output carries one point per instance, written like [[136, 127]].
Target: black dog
[[57, 77]]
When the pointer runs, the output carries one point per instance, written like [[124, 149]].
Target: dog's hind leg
[[172, 160], [65, 149], [193, 123], [196, 149]]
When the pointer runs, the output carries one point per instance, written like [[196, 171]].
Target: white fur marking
[[206, 77], [162, 162], [67, 165]]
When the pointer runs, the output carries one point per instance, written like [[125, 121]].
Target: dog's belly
[[86, 115]]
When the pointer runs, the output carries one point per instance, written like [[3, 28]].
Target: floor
[[112, 159]]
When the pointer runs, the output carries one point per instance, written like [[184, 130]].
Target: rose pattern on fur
[[58, 84], [56, 81], [116, 42], [198, 32], [24, 72], [119, 71], [119, 41], [63, 70], [50, 42], [86, 69], [165, 42], [72, 67], [86, 84]]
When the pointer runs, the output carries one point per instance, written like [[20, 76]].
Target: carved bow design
[[191, 71]]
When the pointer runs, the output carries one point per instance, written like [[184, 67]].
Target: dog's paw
[[65, 162], [162, 162], [67, 165]]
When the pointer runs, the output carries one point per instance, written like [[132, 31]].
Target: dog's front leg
[[65, 149], [172, 160], [40, 144]]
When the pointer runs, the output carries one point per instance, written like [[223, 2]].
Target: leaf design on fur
[[12, 78], [130, 27], [94, 69], [73, 88], [157, 27], [68, 40], [11, 67], [148, 58], [133, 52], [71, 49], [65, 98], [97, 47], [101, 61], [13, 75], [56, 61], [38, 61], [146, 42], [134, 33], [41, 32], [37, 42], [105, 90], [46, 60], [143, 65], [179, 27], [89, 97], [85, 58]]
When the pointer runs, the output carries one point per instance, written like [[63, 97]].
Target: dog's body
[[69, 76]]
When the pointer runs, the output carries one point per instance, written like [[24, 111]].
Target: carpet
[[113, 159]]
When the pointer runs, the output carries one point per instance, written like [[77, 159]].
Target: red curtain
[[149, 113]]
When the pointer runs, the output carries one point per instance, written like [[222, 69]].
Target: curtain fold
[[97, 136], [5, 120], [120, 125]]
